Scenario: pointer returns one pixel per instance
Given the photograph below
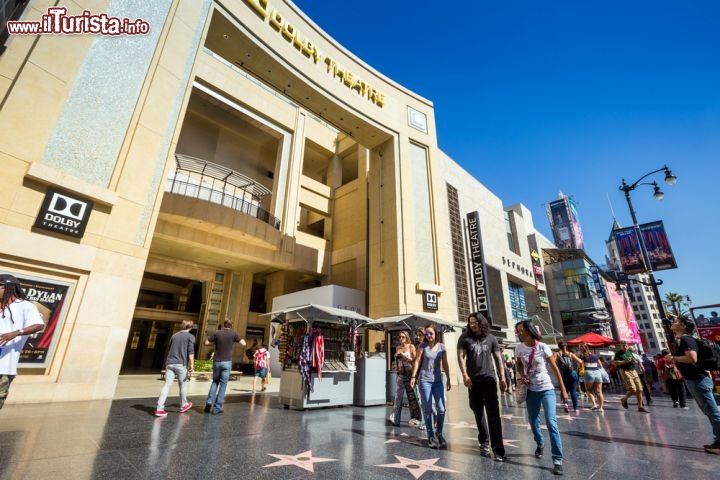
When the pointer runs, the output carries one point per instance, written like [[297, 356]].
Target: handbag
[[522, 389]]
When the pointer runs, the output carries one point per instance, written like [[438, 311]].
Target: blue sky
[[534, 98]]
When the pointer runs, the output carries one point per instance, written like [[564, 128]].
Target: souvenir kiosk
[[318, 346]]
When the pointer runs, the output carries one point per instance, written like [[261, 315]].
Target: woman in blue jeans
[[429, 377], [534, 357]]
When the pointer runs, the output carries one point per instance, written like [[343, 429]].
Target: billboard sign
[[564, 222], [477, 264], [628, 247], [657, 246], [50, 297]]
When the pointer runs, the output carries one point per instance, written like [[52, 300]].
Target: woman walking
[[533, 359], [567, 361], [404, 357], [429, 376], [593, 377]]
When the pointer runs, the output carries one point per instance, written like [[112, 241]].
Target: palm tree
[[674, 299]]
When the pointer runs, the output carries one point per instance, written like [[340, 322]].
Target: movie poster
[[657, 246], [628, 246], [49, 296], [625, 323]]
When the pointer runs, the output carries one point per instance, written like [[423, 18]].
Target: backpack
[[260, 356], [708, 354], [565, 363], [672, 372]]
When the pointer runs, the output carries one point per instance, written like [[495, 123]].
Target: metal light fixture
[[670, 179], [658, 194]]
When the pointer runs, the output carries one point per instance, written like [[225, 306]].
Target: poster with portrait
[[657, 246], [628, 246], [51, 299]]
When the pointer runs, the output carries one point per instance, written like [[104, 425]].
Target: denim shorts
[[261, 372], [593, 376]]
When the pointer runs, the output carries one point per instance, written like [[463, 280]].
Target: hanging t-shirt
[[431, 361], [24, 314], [539, 376]]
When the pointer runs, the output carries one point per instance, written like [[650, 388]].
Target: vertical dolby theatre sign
[[477, 263], [64, 213]]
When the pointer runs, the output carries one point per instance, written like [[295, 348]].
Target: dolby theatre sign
[[64, 213]]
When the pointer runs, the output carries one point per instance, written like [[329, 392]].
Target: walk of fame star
[[417, 467], [303, 460]]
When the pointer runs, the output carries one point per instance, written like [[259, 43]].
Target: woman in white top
[[534, 357]]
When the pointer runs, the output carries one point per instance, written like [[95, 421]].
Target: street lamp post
[[670, 179]]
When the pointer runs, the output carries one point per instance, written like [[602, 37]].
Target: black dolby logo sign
[[430, 301], [64, 213], [477, 263]]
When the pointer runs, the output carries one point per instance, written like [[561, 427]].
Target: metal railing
[[217, 184]]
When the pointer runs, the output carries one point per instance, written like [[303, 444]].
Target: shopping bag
[[521, 393], [268, 377]]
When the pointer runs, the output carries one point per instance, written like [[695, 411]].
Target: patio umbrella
[[413, 321], [593, 340]]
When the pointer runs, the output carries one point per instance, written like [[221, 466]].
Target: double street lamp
[[670, 179]]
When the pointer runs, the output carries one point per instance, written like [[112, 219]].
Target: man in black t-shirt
[[222, 365], [699, 382], [477, 351]]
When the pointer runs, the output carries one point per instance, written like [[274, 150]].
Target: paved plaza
[[257, 438]]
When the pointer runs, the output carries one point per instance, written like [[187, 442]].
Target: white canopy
[[313, 312], [412, 321]]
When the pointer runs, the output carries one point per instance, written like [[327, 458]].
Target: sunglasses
[[402, 336], [429, 334]]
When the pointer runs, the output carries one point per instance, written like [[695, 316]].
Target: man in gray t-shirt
[[479, 358], [179, 363]]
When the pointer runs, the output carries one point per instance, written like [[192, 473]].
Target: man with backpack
[[262, 364], [698, 380]]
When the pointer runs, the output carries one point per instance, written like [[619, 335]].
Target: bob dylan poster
[[49, 297]]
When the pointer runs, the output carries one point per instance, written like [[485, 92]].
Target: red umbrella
[[593, 340]]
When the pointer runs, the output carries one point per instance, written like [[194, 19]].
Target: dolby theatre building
[[233, 154]]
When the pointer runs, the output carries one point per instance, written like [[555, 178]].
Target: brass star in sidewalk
[[417, 467], [303, 460]]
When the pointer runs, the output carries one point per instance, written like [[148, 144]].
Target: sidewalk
[[257, 438]]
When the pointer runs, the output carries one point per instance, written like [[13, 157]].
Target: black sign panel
[[430, 301], [477, 263], [64, 213]]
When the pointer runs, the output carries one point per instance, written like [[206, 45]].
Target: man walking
[[699, 382], [179, 363], [18, 319], [477, 350], [222, 365], [625, 362]]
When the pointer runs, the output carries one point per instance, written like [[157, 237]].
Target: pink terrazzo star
[[417, 467], [303, 460]]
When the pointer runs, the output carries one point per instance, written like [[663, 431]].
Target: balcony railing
[[214, 183]]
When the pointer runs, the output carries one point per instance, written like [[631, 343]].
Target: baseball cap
[[6, 278]]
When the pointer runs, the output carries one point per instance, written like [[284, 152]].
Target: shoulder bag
[[522, 388]]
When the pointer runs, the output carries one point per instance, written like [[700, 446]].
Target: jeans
[[570, 380], [484, 397], [428, 391], [702, 392], [171, 371], [546, 398], [221, 375]]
